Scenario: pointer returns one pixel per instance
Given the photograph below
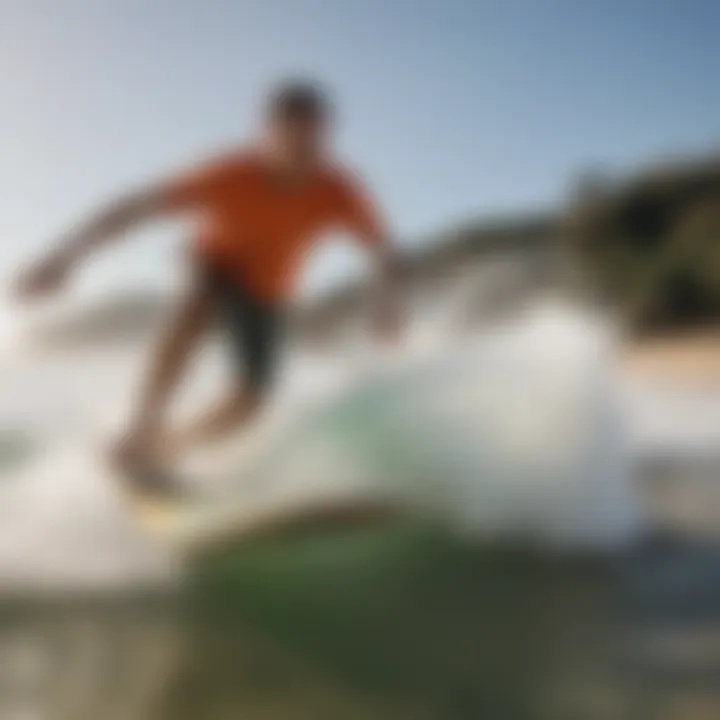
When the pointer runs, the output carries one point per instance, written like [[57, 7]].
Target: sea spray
[[513, 434], [508, 431]]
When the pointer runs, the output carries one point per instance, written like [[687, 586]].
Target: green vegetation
[[652, 246]]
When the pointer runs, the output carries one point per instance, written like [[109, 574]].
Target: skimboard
[[186, 523], [168, 516], [193, 523], [163, 516]]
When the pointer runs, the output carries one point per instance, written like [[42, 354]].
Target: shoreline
[[692, 357]]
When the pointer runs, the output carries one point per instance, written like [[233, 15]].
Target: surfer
[[259, 209]]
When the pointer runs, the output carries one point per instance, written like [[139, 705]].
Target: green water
[[395, 621]]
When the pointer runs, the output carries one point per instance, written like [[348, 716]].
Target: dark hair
[[299, 99]]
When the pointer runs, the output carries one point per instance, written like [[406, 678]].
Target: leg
[[228, 414], [188, 323], [251, 328]]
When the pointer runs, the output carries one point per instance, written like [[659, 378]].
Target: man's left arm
[[385, 293], [362, 219]]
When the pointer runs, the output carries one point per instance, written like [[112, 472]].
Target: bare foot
[[144, 470]]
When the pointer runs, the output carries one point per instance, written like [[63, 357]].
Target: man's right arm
[[49, 273]]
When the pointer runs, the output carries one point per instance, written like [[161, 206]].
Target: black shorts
[[252, 327]]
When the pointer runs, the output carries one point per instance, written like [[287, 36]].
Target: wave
[[506, 429]]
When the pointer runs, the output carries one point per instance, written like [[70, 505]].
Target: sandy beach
[[690, 357]]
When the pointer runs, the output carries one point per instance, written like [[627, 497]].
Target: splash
[[507, 429], [514, 433]]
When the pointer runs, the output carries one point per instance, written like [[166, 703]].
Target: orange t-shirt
[[260, 230]]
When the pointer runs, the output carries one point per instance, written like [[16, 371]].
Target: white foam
[[64, 528], [514, 433], [510, 429]]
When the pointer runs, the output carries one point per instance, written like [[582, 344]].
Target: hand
[[44, 278]]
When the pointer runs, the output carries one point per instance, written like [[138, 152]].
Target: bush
[[652, 248]]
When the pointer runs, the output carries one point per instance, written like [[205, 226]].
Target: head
[[298, 121]]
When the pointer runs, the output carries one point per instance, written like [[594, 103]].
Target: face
[[300, 138]]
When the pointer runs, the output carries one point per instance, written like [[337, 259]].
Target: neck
[[290, 168]]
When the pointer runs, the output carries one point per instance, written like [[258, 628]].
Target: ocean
[[532, 577]]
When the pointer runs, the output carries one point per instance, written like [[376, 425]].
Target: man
[[259, 210]]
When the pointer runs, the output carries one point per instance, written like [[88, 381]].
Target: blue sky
[[452, 108]]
